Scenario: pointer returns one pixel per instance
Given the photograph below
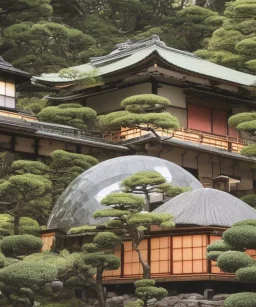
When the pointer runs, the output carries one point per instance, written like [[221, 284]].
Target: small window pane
[[187, 267], [197, 241], [198, 253], [10, 102], [177, 267], [10, 89], [2, 88], [177, 254], [2, 101], [177, 242], [197, 266], [155, 243], [187, 241], [155, 255], [187, 254]]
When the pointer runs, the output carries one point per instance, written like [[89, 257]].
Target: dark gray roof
[[130, 54], [207, 207], [205, 148], [8, 68], [82, 197]]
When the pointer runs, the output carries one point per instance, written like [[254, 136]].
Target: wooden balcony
[[227, 143]]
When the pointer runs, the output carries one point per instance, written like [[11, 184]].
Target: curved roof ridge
[[207, 207]]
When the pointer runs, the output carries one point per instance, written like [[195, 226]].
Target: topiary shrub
[[250, 200], [2, 260], [27, 274], [244, 299], [146, 290], [214, 255], [106, 240], [245, 223], [219, 245], [241, 236], [247, 274], [18, 245], [232, 261]]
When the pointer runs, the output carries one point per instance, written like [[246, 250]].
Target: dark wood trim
[[154, 86], [209, 265], [13, 142], [78, 149], [36, 147], [122, 260]]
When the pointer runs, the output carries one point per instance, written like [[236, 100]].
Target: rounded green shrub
[[21, 245], [214, 255], [219, 245], [247, 274], [90, 248], [106, 240], [27, 274], [2, 260], [243, 299], [232, 261], [250, 200], [241, 236], [147, 293], [144, 283], [245, 223]]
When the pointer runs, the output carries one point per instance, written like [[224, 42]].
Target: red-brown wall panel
[[219, 122], [199, 118]]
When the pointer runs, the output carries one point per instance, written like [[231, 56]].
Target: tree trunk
[[145, 265], [100, 291], [16, 224], [147, 202]]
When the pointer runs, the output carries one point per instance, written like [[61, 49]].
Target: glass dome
[[82, 197]]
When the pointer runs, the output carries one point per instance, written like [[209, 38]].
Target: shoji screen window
[[132, 265], [7, 95], [160, 257], [115, 273], [189, 254]]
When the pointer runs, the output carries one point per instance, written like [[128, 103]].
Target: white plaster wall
[[181, 114], [109, 102], [174, 94]]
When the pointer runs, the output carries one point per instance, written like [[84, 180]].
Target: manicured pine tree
[[145, 291], [145, 112], [148, 183], [66, 166], [26, 191], [71, 114], [127, 216], [231, 257], [20, 279], [246, 122], [234, 43]]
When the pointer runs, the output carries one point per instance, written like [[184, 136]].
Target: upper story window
[[210, 120], [7, 95]]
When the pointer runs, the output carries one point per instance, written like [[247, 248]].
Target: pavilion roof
[[207, 207], [130, 54], [6, 67]]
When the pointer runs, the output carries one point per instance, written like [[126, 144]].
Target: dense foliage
[[241, 236]]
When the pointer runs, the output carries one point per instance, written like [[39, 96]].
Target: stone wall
[[181, 300]]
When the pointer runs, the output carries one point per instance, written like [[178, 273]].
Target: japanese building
[[203, 96], [178, 254]]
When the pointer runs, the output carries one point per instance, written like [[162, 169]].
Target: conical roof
[[207, 207]]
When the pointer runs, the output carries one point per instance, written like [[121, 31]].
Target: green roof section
[[131, 53]]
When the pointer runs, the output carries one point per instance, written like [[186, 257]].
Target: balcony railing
[[221, 142]]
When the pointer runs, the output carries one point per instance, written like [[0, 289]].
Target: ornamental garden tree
[[234, 43], [148, 183], [145, 112], [145, 291], [72, 114], [127, 216], [246, 122], [25, 192], [231, 257], [66, 166], [19, 279]]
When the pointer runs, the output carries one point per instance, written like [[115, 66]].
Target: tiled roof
[[7, 67], [207, 207], [129, 54]]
